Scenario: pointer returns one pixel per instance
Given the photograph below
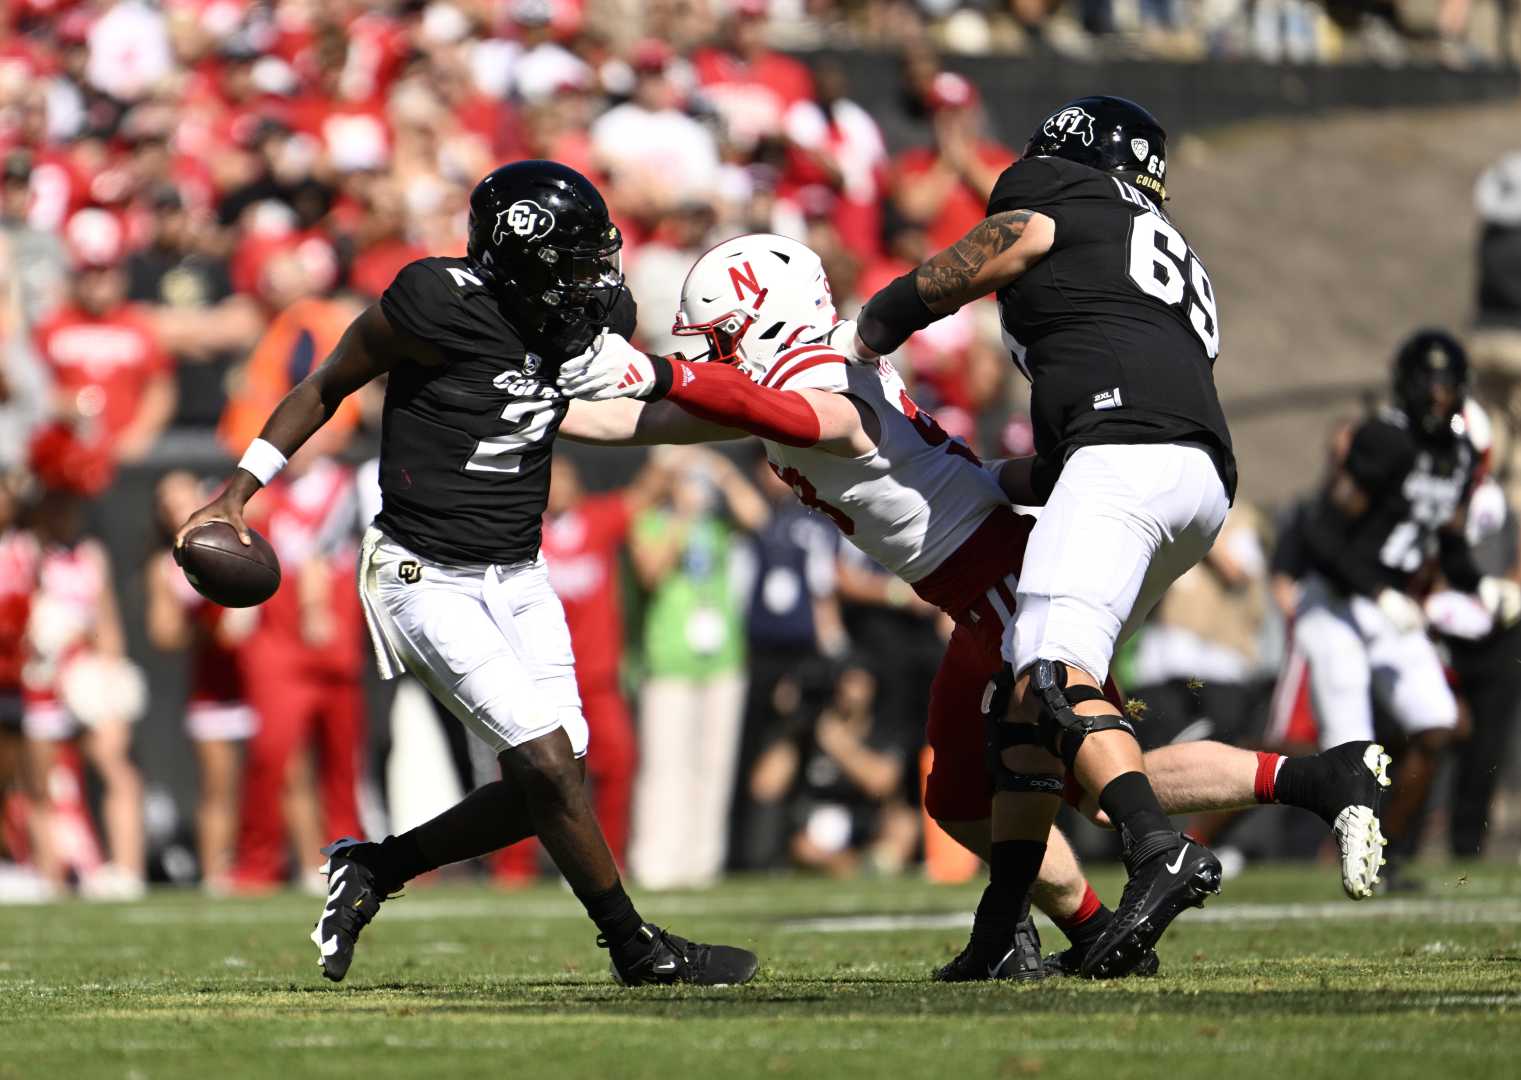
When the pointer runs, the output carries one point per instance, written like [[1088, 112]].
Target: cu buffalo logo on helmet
[[1070, 122], [525, 219]]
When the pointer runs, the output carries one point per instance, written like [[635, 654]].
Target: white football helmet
[[752, 298]]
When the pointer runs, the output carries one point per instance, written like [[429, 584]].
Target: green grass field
[[1280, 977]]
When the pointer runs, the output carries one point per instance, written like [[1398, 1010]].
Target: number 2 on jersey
[[503, 453], [1162, 265]]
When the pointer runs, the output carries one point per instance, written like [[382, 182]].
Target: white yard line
[[1226, 914], [839, 919]]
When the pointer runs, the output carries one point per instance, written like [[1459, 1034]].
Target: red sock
[[1267, 776], [1086, 910]]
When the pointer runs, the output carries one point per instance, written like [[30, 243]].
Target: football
[[224, 570]]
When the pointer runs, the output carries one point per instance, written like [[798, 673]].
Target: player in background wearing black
[[1395, 506], [454, 587], [1112, 317]]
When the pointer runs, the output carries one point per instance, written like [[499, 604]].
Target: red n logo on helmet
[[743, 280]]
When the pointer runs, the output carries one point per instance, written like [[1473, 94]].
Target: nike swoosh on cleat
[[1176, 864], [993, 968], [666, 965]]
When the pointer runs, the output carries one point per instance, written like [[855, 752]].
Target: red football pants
[[611, 759], [295, 712], [959, 786]]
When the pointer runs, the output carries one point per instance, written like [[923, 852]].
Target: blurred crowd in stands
[[195, 198]]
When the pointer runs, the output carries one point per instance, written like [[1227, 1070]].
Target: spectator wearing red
[[751, 85], [114, 381], [302, 669], [835, 145], [80, 693], [583, 540], [344, 112], [656, 155], [18, 575], [945, 187], [381, 243]]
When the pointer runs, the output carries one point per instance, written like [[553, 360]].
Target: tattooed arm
[[994, 253]]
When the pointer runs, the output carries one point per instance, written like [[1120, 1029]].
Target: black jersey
[[464, 449], [1116, 326], [1415, 489]]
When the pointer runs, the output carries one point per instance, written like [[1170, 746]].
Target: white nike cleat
[[1359, 836]]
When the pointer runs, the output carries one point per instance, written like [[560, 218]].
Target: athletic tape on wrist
[[263, 460], [665, 374]]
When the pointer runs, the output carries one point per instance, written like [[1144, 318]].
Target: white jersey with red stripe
[[911, 502]]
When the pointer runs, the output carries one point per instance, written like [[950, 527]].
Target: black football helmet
[[1431, 381], [1108, 133], [541, 237]]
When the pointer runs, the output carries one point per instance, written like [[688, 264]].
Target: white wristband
[[263, 459]]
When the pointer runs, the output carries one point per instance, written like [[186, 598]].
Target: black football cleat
[[1162, 884], [1348, 795], [667, 960], [1014, 955], [353, 898], [1069, 962]]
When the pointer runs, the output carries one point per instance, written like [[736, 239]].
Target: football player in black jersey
[[1112, 317], [454, 588], [1395, 505]]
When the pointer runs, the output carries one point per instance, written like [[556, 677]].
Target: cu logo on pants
[[410, 572]]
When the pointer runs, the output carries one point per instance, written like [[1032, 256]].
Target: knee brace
[[1001, 735], [1062, 730]]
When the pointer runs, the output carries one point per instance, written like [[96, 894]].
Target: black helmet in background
[[541, 237], [1431, 381], [1107, 133]]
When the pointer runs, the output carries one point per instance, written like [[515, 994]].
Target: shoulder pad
[[1028, 184], [443, 302], [808, 367]]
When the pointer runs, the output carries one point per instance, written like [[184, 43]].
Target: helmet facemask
[[725, 334]]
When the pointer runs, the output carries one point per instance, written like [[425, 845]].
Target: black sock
[[1013, 867], [1133, 808], [614, 914], [1085, 933], [486, 820], [1299, 780], [395, 861]]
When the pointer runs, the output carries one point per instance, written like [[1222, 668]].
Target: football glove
[[1501, 597], [1401, 610], [611, 368]]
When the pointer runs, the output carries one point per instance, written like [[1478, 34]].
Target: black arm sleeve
[[1458, 565], [893, 315], [1324, 535]]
